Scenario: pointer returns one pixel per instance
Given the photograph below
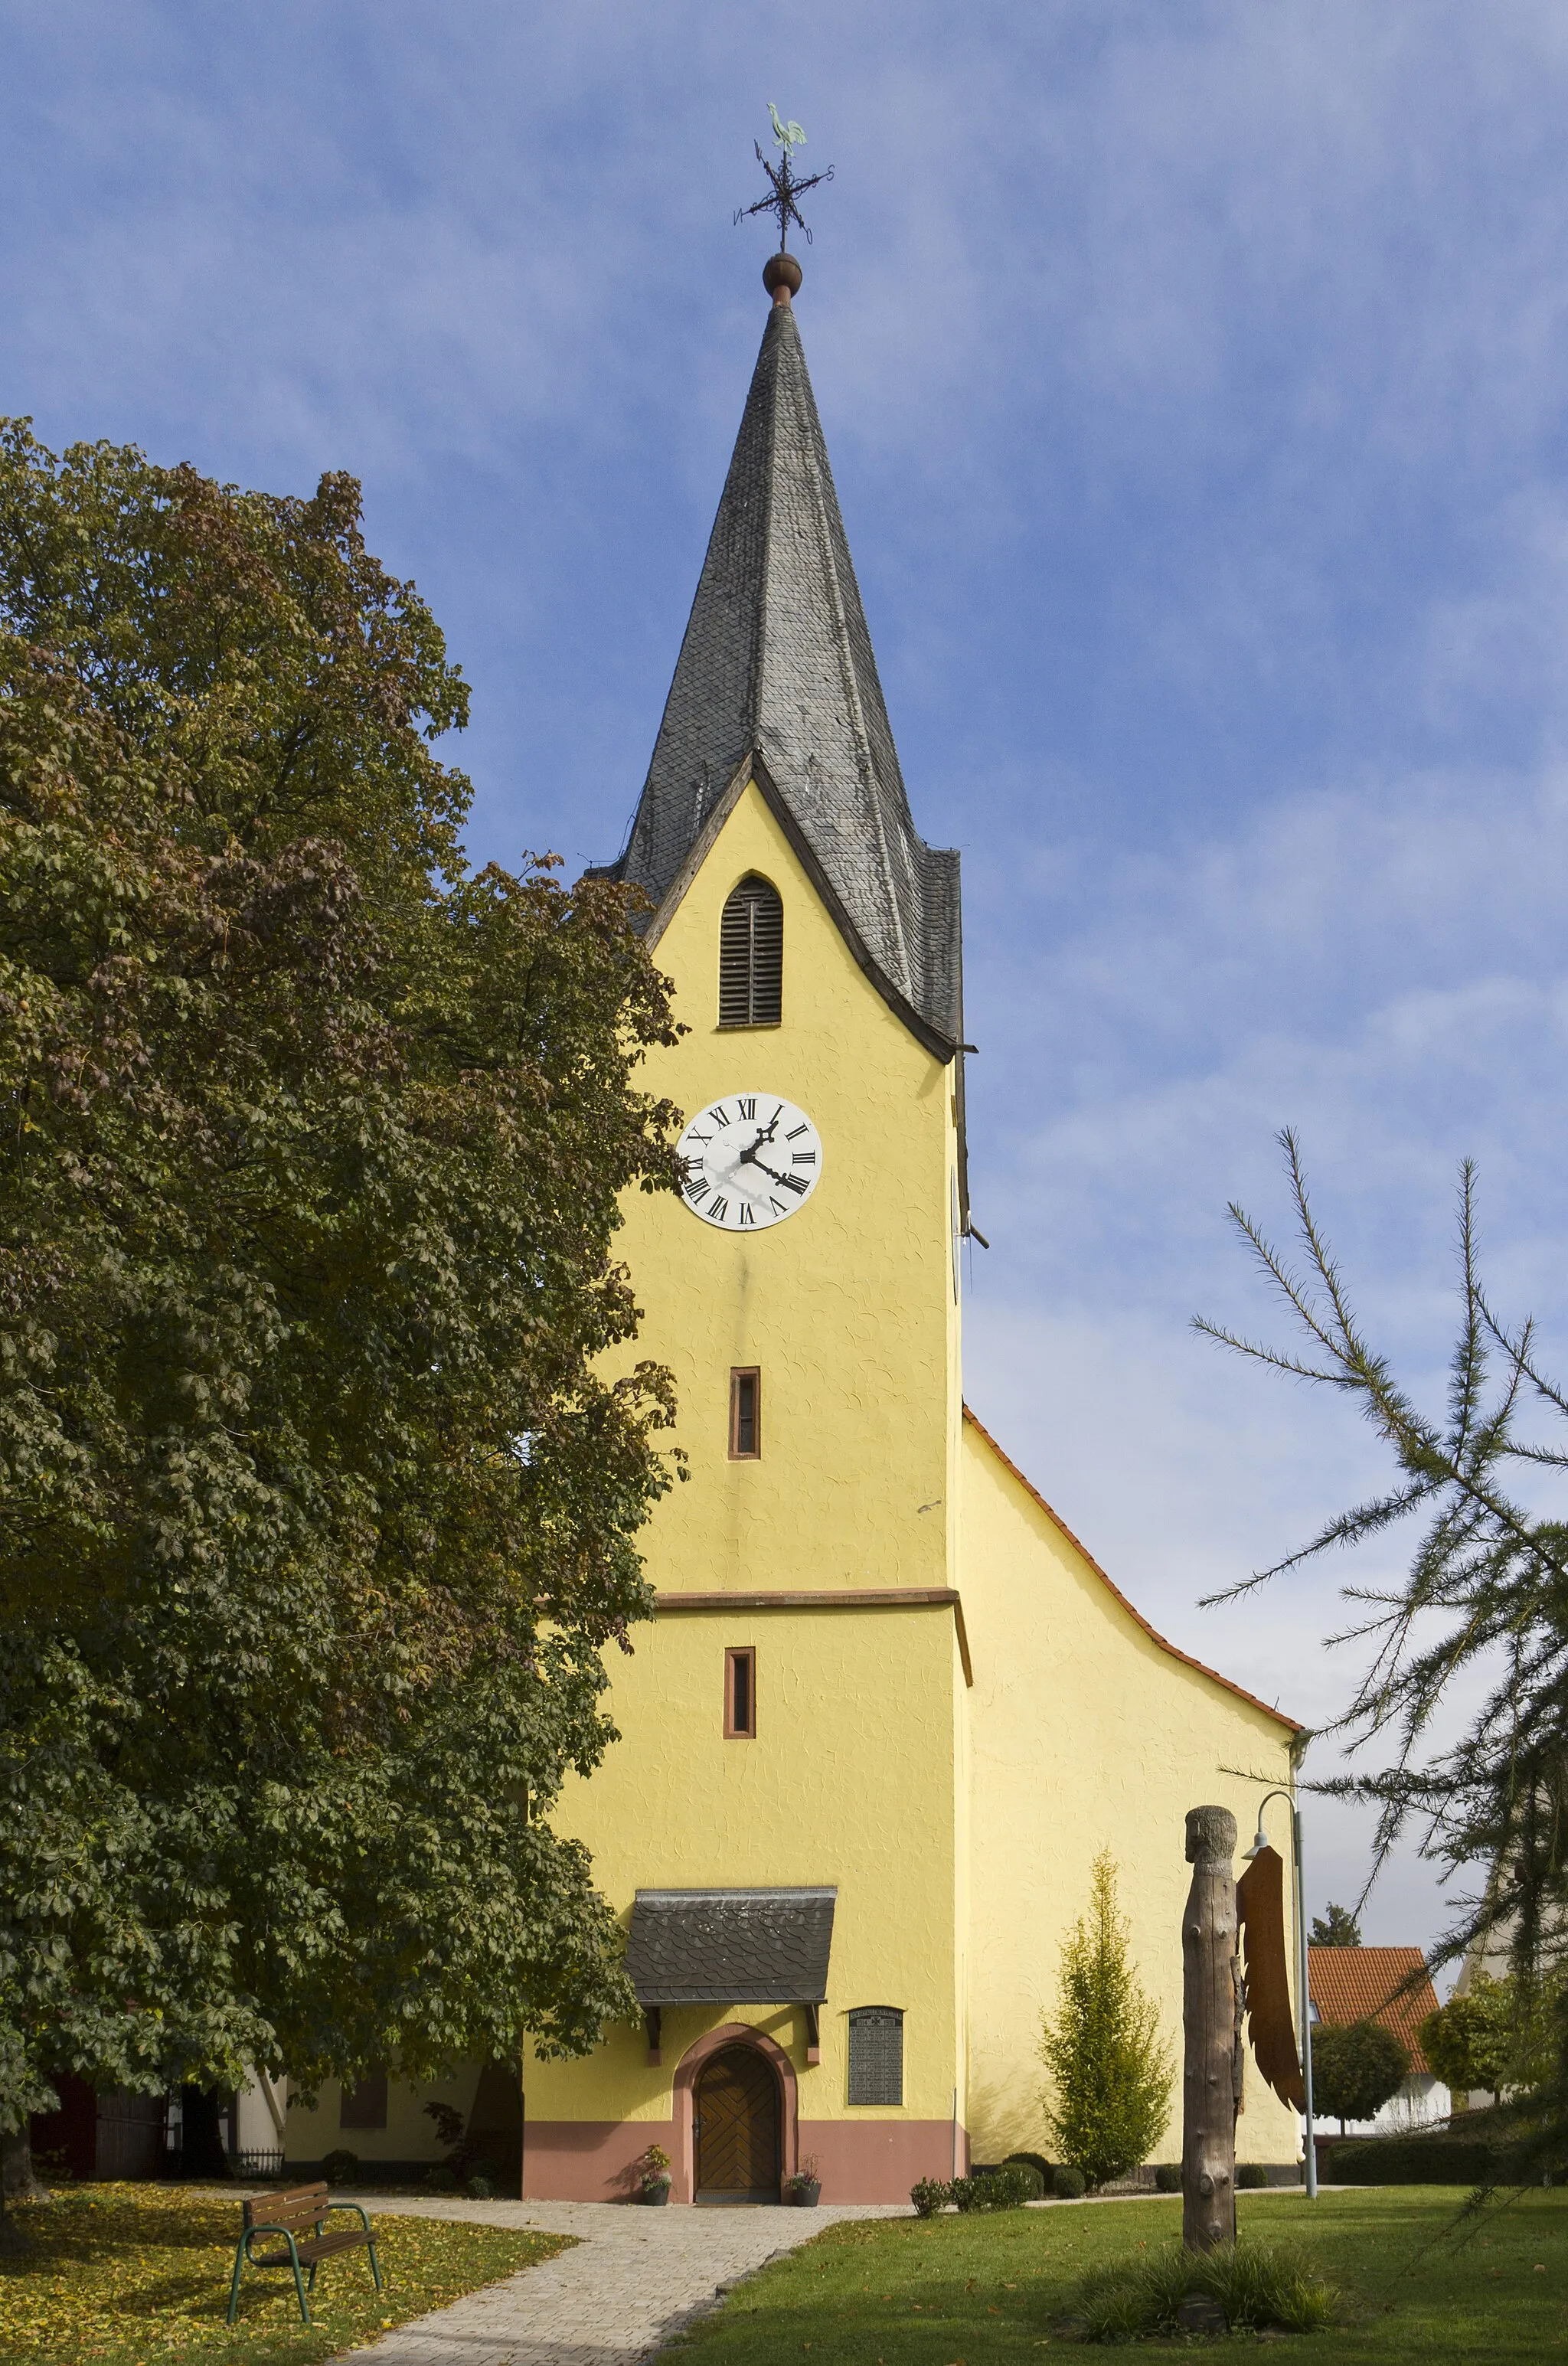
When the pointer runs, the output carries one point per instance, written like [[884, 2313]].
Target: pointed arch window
[[751, 956]]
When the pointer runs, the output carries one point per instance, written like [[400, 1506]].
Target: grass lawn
[[988, 2291], [138, 2275]]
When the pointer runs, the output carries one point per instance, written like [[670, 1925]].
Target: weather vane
[[785, 188]]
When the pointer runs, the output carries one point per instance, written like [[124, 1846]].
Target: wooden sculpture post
[[1210, 2000]]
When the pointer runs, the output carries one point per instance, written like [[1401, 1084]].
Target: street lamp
[[1304, 1994]]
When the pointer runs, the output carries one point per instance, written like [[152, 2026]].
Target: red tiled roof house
[[1350, 1984]]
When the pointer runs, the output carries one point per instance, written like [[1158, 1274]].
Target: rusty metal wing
[[1260, 1909]]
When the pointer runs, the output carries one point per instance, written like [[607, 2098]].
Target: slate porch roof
[[730, 1946], [1350, 1984], [777, 663]]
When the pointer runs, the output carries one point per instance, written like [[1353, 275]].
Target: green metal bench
[[298, 2216]]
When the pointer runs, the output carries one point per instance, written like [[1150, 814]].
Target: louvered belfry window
[[876, 2054], [751, 957]]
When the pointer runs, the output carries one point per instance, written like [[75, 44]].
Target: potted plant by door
[[655, 2167], [804, 2190]]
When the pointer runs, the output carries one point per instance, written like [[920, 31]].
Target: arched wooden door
[[736, 2114]]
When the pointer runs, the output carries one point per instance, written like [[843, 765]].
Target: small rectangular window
[[876, 2054], [745, 1413], [364, 2106], [740, 1695]]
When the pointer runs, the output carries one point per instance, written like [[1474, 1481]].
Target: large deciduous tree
[[316, 1506]]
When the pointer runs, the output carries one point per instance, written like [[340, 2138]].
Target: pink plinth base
[[858, 2160], [588, 2160], [878, 2160]]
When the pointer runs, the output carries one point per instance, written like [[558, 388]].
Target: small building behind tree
[[1349, 1985]]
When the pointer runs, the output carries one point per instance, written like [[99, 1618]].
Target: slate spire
[[777, 664]]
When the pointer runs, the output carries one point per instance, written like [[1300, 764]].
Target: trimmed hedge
[[994, 2188], [1412, 2160]]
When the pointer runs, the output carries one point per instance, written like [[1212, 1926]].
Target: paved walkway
[[635, 2278]]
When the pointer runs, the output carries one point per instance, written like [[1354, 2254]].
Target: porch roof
[[730, 1946]]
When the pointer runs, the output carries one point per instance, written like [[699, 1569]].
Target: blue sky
[[1194, 382]]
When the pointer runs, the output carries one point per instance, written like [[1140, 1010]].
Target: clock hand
[[764, 1133], [769, 1170]]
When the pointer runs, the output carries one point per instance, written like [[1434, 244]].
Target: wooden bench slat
[[321, 2246], [298, 2205]]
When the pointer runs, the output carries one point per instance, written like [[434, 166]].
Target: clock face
[[750, 1160]]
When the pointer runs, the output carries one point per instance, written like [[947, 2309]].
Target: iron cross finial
[[781, 197]]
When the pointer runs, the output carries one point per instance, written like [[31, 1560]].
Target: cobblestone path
[[635, 2278]]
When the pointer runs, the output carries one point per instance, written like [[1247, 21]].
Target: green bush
[[1256, 2284], [1168, 2177], [1037, 2162], [1069, 2184], [1029, 2173], [341, 2168], [1008, 2187], [441, 2178], [1250, 2176], [1471, 2042], [928, 2195]]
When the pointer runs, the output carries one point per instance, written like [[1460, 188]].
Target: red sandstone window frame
[[740, 1692], [745, 1412]]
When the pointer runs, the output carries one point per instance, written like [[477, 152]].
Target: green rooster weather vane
[[781, 197]]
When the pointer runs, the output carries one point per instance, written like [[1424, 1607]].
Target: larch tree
[[1480, 1621], [317, 1509]]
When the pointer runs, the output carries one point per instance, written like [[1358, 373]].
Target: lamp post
[[1304, 1994]]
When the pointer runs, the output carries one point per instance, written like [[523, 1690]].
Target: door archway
[[737, 2127]]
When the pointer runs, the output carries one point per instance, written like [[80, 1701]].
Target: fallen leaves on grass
[[136, 2275]]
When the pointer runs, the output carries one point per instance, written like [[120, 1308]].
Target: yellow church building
[[890, 1709]]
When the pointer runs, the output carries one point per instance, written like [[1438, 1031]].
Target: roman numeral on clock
[[803, 1158], [720, 1116], [793, 1183], [748, 1109], [718, 1213], [746, 1216]]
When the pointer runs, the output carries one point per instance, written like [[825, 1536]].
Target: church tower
[[792, 1723], [888, 1708]]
